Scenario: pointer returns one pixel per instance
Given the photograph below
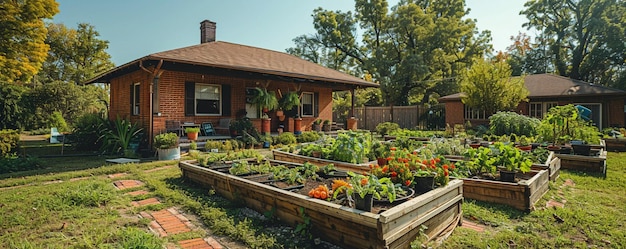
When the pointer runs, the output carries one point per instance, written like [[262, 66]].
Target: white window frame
[[219, 107], [136, 98], [473, 113], [312, 104]]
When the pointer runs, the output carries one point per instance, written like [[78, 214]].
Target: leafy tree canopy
[[490, 87], [75, 55], [22, 35], [413, 47], [580, 39]]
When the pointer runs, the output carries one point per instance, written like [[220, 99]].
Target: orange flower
[[394, 174], [393, 148], [363, 181], [407, 182]]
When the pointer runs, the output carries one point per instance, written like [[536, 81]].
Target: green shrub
[[56, 120], [166, 141], [14, 163], [9, 140], [503, 123], [563, 124], [285, 138], [119, 134], [308, 136], [386, 128], [87, 131]]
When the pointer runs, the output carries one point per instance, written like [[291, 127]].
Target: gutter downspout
[[154, 88]]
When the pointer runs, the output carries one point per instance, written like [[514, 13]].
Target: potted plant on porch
[[192, 133], [167, 147], [317, 125]]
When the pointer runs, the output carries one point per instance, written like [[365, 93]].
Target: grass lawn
[[45, 209]]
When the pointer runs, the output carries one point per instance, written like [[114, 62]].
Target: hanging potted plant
[[167, 147], [289, 101], [267, 101]]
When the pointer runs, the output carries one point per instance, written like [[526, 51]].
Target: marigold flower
[[445, 166], [363, 181], [394, 174], [393, 148], [407, 183]]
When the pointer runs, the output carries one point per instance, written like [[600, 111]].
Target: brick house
[[548, 90], [212, 81]]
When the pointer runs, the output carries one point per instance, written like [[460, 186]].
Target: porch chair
[[223, 126], [173, 126], [55, 136]]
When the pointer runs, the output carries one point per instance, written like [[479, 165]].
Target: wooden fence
[[409, 117]]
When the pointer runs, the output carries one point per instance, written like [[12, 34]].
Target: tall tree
[[489, 87], [22, 35], [75, 54], [585, 37], [415, 47]]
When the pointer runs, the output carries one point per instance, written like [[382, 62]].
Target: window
[[307, 104], [135, 98], [208, 99], [539, 109], [536, 110], [474, 113]]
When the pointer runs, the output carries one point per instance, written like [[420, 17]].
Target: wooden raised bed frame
[[439, 210], [521, 195], [615, 144], [295, 158], [552, 164], [589, 164]]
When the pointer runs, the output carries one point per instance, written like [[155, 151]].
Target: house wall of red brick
[[171, 98]]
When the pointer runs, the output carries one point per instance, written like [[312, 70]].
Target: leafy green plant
[[477, 161], [192, 129], [363, 185], [503, 123], [265, 100], [87, 130], [562, 123], [239, 168], [9, 140], [285, 138], [118, 136], [352, 146], [166, 141], [512, 158], [386, 128], [308, 136], [289, 101]]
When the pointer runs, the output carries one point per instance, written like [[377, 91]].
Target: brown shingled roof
[[250, 59], [550, 85]]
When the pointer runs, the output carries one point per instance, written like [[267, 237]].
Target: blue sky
[[137, 28]]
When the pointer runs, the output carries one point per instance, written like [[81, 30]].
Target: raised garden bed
[[295, 158], [552, 164], [588, 164], [395, 227], [521, 195], [615, 144]]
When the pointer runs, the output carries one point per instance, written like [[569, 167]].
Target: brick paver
[[124, 184], [208, 243], [553, 203], [474, 226], [138, 192], [159, 168], [168, 221], [118, 175], [145, 202]]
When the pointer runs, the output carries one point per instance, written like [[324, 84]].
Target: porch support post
[[353, 102]]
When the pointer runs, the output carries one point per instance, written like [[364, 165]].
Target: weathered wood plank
[[522, 195], [290, 157], [589, 164], [345, 226]]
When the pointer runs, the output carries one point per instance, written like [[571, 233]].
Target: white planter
[[169, 154]]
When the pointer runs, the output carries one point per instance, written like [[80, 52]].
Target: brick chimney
[[207, 31]]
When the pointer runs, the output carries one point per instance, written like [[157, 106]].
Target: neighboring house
[[548, 90], [210, 81]]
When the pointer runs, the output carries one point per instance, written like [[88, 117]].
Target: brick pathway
[[168, 221], [208, 243], [124, 184], [138, 192], [145, 202]]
